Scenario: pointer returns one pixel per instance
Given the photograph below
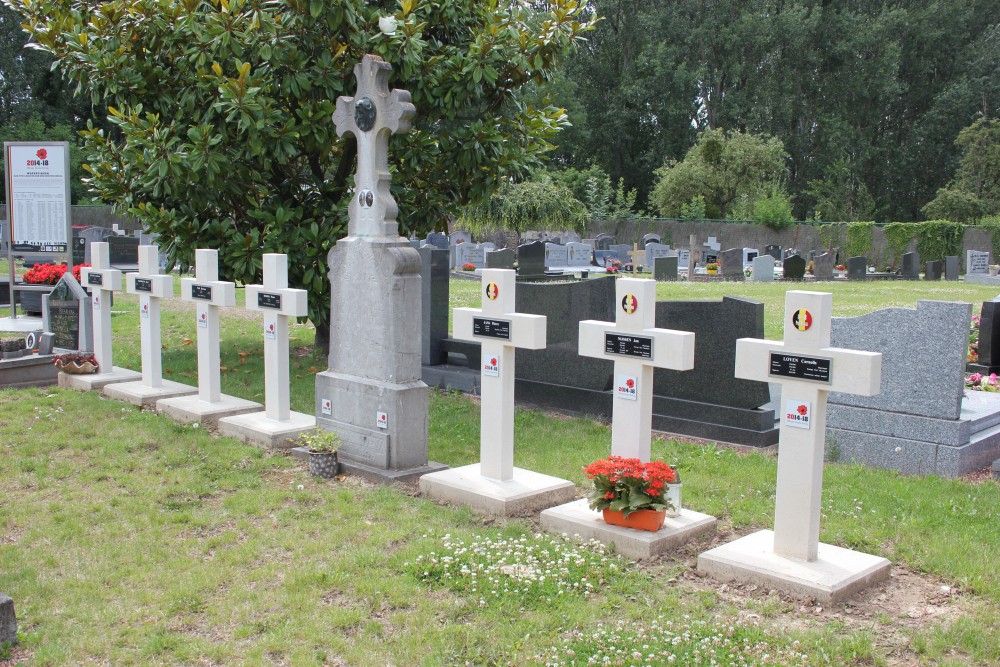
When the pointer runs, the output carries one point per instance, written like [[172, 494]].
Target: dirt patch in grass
[[907, 603]]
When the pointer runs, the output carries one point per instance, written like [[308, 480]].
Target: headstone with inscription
[[68, 315], [823, 266], [790, 558], [579, 255], [209, 295], [748, 256], [494, 485], [732, 264], [656, 250], [774, 251], [101, 281], [531, 260], [150, 286], [911, 266], [933, 270], [977, 263], [556, 256], [857, 268], [371, 394], [278, 425], [665, 268], [762, 269]]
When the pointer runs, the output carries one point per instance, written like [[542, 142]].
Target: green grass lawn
[[127, 539]]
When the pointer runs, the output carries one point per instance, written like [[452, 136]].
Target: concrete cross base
[[256, 428], [578, 521], [526, 493], [187, 409], [95, 381], [835, 575], [387, 475], [138, 393]]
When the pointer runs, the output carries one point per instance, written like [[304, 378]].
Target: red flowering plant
[[49, 274], [627, 485], [468, 266]]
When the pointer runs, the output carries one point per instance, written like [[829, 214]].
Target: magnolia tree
[[222, 110]]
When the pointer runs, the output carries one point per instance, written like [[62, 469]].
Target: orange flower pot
[[651, 520]]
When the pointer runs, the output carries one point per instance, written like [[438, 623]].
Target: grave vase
[[673, 498], [76, 367], [651, 520], [323, 464]]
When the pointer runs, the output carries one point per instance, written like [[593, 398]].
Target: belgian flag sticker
[[629, 303], [492, 291], [802, 319]]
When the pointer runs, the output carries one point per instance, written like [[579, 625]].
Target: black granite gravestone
[[857, 268], [531, 260], [696, 402], [989, 340], [500, 259], [911, 266], [434, 295], [794, 268], [732, 264], [665, 268], [774, 251], [932, 270], [823, 266], [951, 267], [68, 315]]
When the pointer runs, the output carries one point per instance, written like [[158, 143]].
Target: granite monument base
[[526, 493], [138, 393], [835, 575], [187, 409], [34, 370], [95, 381], [577, 521], [256, 428], [981, 279], [918, 445]]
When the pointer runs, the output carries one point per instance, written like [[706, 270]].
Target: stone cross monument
[[371, 395], [791, 557]]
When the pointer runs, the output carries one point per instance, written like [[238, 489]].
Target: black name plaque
[[487, 328], [143, 285], [797, 366], [628, 346], [201, 292], [269, 300]]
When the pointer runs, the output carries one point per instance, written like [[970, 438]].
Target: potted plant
[[468, 266], [322, 446], [12, 347], [76, 363], [631, 493], [712, 268]]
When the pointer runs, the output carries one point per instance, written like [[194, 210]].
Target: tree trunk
[[323, 339]]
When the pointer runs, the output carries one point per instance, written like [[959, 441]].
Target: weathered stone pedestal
[[8, 621], [94, 381], [372, 395], [577, 521]]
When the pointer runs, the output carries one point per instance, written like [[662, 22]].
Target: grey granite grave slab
[[8, 620], [911, 266], [437, 239], [732, 264], [665, 268], [762, 269], [920, 422], [556, 256], [857, 268], [951, 267], [683, 258], [794, 268], [500, 259], [656, 250], [531, 260], [823, 266], [579, 255], [977, 263]]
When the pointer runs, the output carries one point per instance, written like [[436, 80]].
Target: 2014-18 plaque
[[797, 366], [628, 346], [487, 328]]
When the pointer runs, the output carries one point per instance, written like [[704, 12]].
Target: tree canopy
[[975, 191], [222, 111]]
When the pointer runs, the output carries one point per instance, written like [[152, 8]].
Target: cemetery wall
[[736, 235]]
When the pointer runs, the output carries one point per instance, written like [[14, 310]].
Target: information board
[[38, 195]]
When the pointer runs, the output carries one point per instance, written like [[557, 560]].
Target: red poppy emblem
[[803, 410], [42, 154], [630, 383], [493, 361]]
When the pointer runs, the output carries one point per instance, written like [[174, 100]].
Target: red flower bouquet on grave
[[629, 485], [468, 266], [49, 274]]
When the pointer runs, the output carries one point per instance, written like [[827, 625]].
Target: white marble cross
[[279, 303], [209, 294], [499, 330], [151, 286], [372, 116], [102, 281], [636, 347], [808, 369]]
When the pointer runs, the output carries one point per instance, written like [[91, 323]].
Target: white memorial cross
[[807, 369], [499, 330], [636, 347], [102, 281], [372, 116], [209, 294], [278, 303], [151, 286]]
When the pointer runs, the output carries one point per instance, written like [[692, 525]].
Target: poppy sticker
[[491, 366], [627, 387], [798, 414]]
